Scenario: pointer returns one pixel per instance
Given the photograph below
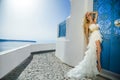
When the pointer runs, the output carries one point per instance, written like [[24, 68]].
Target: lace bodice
[[93, 27]]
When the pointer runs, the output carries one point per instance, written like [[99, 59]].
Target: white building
[[70, 49]]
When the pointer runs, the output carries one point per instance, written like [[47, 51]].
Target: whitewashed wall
[[10, 59], [71, 49]]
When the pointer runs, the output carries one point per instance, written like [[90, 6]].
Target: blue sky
[[32, 19]]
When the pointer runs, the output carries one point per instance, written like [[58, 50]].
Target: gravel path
[[43, 66]]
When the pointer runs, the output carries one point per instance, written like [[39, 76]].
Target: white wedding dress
[[88, 66]]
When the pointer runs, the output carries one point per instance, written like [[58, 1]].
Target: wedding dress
[[88, 66]]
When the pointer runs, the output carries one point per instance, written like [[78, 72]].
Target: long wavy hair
[[85, 26]]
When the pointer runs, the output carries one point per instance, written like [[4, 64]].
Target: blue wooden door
[[108, 12], [115, 54], [105, 55]]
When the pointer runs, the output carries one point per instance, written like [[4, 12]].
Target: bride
[[90, 66]]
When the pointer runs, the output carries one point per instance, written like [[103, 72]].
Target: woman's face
[[88, 16]]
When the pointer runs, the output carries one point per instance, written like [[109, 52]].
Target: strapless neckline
[[93, 24]]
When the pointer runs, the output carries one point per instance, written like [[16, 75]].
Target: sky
[[32, 19]]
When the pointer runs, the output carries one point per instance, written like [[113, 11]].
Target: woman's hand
[[96, 16], [94, 12]]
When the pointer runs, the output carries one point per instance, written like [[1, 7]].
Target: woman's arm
[[87, 33], [96, 16]]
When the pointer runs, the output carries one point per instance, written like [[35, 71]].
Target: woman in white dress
[[90, 66]]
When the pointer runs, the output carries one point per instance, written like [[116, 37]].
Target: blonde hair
[[85, 26]]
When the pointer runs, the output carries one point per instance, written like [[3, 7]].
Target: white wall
[[11, 59], [76, 46], [14, 57], [32, 19], [71, 49]]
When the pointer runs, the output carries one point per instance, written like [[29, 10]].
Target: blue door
[[108, 12]]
